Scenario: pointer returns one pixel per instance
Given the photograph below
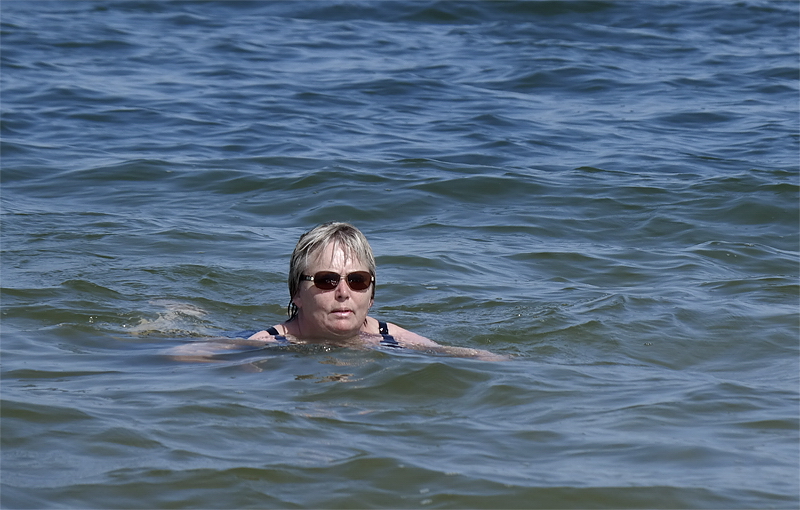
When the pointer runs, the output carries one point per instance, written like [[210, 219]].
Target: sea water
[[605, 192]]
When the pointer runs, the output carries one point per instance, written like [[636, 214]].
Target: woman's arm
[[206, 350], [414, 341]]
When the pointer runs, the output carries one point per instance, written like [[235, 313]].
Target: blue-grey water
[[606, 192]]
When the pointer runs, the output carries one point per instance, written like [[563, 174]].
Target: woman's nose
[[343, 289]]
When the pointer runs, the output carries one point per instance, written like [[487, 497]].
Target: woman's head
[[341, 236]]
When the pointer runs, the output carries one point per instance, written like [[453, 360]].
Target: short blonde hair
[[315, 240]]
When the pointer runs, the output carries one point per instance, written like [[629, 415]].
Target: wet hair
[[345, 235]]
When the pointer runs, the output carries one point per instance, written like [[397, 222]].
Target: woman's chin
[[345, 332], [344, 329]]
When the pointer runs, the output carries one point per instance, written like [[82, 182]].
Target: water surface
[[605, 191]]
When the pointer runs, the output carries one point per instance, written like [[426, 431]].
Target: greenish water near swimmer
[[605, 192]]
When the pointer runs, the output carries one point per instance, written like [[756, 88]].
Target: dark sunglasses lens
[[360, 280], [326, 281]]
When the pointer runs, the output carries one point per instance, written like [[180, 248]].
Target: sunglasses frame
[[321, 275]]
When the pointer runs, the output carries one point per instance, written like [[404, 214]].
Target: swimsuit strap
[[388, 340], [280, 338]]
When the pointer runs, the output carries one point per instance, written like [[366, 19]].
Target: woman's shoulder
[[271, 334], [412, 340], [407, 338]]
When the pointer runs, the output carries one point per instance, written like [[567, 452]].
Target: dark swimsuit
[[387, 340], [280, 338]]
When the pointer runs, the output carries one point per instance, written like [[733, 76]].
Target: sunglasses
[[328, 280]]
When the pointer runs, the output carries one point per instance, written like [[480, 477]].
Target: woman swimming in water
[[331, 288]]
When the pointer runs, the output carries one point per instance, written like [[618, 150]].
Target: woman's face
[[337, 313]]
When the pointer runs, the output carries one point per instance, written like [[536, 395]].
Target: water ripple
[[606, 191]]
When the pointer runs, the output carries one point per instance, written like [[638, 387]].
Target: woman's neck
[[300, 330]]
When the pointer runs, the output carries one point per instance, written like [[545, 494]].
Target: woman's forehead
[[333, 254]]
